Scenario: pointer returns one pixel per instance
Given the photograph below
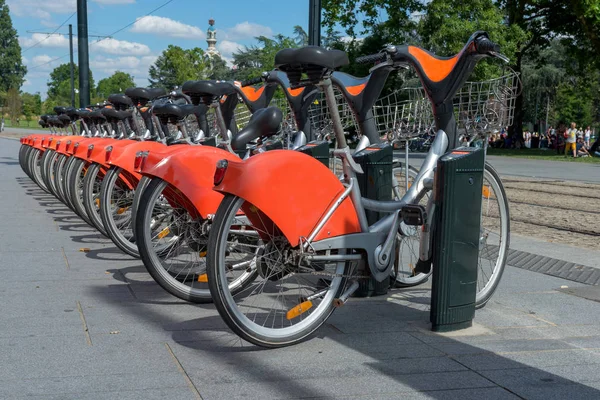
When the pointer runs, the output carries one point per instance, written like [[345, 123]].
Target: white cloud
[[166, 27], [227, 48], [41, 9], [114, 1], [44, 40], [120, 47], [27, 82], [134, 65], [247, 30], [42, 63]]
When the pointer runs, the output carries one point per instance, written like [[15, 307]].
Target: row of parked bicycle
[[266, 222]]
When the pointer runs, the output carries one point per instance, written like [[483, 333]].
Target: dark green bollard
[[457, 196]]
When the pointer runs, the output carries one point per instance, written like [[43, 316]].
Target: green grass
[[539, 154]]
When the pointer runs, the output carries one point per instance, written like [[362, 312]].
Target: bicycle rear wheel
[[91, 195], [116, 198], [286, 302]]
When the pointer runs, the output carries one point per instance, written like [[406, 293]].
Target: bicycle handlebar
[[252, 81], [372, 58], [484, 45]]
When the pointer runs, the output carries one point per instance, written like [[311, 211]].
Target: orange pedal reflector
[[122, 210], [203, 278], [299, 309], [203, 253], [97, 201], [486, 192], [164, 233]]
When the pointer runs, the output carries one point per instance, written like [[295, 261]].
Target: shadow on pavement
[[419, 365]]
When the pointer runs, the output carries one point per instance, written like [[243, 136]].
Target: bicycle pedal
[[413, 214]]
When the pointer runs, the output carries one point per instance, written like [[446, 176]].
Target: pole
[[314, 22], [83, 54], [72, 66]]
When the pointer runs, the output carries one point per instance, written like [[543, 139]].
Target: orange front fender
[[191, 171], [294, 191]]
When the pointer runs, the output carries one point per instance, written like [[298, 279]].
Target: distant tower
[[211, 38]]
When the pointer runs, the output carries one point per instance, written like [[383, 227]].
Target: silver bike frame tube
[[328, 214], [418, 188]]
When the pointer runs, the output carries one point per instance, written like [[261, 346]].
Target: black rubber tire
[[74, 178], [35, 167], [91, 179], [126, 244], [137, 197]]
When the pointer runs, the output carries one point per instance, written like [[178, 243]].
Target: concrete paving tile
[[581, 373], [537, 384], [522, 345], [99, 384], [140, 394], [61, 356], [65, 325], [556, 392], [557, 307], [493, 316], [517, 280], [345, 387], [463, 394], [586, 342], [541, 359]]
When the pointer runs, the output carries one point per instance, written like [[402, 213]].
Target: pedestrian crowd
[[571, 141]]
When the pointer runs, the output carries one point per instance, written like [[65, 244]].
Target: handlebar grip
[[485, 45], [371, 59], [252, 81]]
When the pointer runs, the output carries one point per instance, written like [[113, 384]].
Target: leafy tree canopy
[[12, 70], [116, 83], [176, 65]]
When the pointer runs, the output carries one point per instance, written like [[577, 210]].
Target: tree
[[59, 86], [176, 65], [116, 83], [218, 68], [399, 25], [449, 23], [252, 61], [12, 70], [13, 101], [32, 105], [300, 36]]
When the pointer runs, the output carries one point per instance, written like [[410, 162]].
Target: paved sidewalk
[[93, 325]]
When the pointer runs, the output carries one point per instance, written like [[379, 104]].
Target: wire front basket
[[403, 114], [480, 107]]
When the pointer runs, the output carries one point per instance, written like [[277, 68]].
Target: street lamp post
[[83, 54], [314, 22]]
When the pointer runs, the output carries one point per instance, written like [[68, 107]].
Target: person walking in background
[[570, 140], [2, 125], [586, 136]]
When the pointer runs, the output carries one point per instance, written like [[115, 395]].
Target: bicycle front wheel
[[288, 300], [494, 237]]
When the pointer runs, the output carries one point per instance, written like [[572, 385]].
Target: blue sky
[[133, 50]]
